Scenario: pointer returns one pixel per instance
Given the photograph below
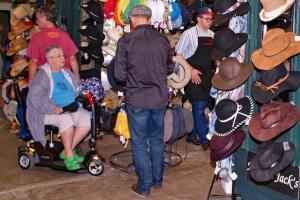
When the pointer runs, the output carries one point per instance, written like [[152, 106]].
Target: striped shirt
[[188, 41]]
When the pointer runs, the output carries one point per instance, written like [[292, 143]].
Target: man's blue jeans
[[200, 122], [146, 128]]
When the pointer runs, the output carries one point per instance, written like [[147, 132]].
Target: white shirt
[[188, 41]]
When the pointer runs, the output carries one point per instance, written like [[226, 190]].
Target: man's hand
[[58, 110], [196, 79]]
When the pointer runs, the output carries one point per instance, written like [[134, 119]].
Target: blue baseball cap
[[205, 11]]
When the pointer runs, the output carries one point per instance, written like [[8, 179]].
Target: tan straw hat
[[274, 8], [277, 46], [16, 46], [18, 66], [179, 79], [18, 29]]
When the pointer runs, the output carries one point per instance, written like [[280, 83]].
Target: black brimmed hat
[[94, 10], [92, 32]]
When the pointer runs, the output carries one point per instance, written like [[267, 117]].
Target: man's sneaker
[[139, 192]]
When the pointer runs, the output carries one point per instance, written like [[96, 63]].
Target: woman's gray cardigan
[[39, 101]]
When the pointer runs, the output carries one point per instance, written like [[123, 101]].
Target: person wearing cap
[[195, 45], [143, 60], [49, 35]]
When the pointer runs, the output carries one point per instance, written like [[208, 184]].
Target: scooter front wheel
[[26, 160], [95, 167]]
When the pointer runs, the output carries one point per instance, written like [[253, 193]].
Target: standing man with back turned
[[195, 45], [143, 61], [49, 35]]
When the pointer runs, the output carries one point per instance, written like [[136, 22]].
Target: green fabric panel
[[254, 42]]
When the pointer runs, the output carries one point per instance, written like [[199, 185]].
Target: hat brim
[[263, 62], [244, 73], [241, 10], [240, 39], [269, 16], [229, 145], [261, 134], [168, 125], [185, 70], [264, 175], [262, 96], [225, 128], [18, 69]]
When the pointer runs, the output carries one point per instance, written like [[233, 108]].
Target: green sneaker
[[77, 157], [71, 164]]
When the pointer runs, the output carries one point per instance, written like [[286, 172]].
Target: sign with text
[[286, 181]]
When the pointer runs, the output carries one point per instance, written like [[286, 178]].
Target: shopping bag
[[121, 127]]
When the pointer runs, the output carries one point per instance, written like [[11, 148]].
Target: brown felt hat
[[274, 8], [273, 119], [16, 46], [277, 46], [231, 74]]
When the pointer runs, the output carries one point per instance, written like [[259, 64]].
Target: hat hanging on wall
[[18, 66], [274, 8], [93, 8], [232, 114], [231, 74], [277, 46], [226, 42], [95, 51], [229, 8], [16, 46], [18, 29], [271, 158], [273, 82], [93, 33], [222, 146], [273, 119]]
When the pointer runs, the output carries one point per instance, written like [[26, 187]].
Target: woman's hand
[[58, 110], [196, 76]]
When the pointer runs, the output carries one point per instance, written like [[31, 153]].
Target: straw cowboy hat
[[110, 49], [229, 8], [232, 114], [273, 119], [231, 74], [271, 158], [277, 46], [179, 79], [16, 46], [18, 29], [18, 66], [226, 42], [274, 8], [273, 82], [222, 146], [21, 11], [114, 34]]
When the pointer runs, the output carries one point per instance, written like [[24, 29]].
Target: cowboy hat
[[277, 46], [21, 11], [232, 114], [222, 146], [274, 8], [283, 21], [178, 80], [18, 29], [273, 119], [231, 74], [94, 10], [16, 46], [273, 82], [95, 51], [226, 42], [18, 66], [92, 32], [229, 8], [271, 158], [110, 49]]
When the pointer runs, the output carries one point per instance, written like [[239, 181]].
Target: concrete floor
[[188, 181]]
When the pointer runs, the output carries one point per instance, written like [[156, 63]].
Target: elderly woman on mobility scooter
[[51, 92]]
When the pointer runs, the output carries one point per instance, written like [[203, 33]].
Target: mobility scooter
[[36, 154]]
